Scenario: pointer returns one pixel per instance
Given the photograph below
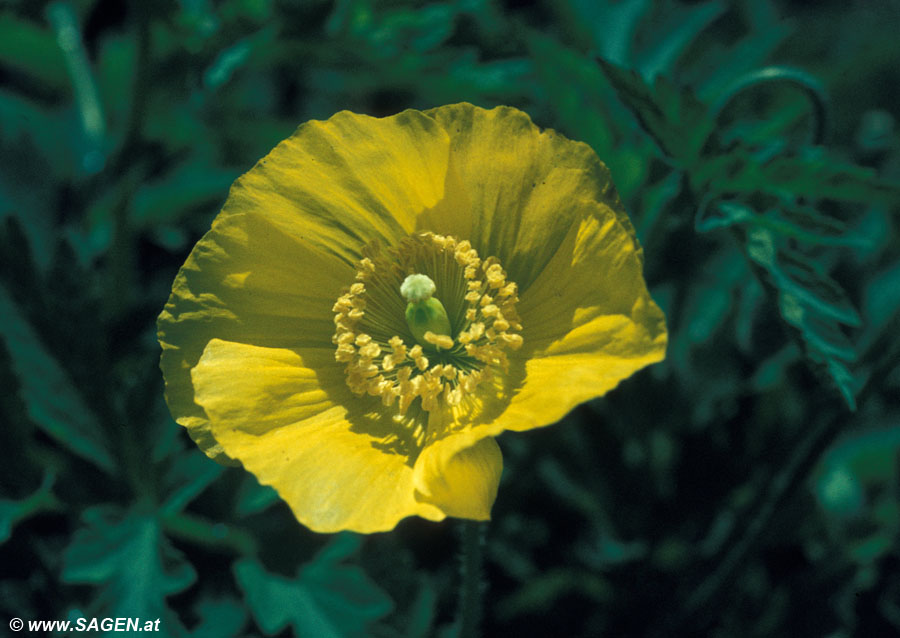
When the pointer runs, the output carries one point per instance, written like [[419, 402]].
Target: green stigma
[[424, 313]]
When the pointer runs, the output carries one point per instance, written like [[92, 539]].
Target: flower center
[[425, 315], [401, 342]]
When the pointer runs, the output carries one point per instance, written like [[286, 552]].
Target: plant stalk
[[472, 583]]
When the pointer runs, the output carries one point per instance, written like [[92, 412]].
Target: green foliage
[[675, 119], [13, 511], [728, 181], [52, 401], [126, 554], [722, 489], [325, 599]]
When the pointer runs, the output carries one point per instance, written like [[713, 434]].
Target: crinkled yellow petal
[[515, 191], [344, 182], [460, 475], [244, 281], [589, 322], [284, 414], [289, 237]]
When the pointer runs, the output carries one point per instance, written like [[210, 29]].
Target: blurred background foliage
[[747, 486]]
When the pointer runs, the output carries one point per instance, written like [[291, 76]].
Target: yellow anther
[[388, 394], [490, 310], [343, 304], [375, 385], [344, 353], [367, 369], [453, 396], [415, 353], [344, 338], [370, 350], [494, 276], [441, 341], [514, 341], [358, 303]]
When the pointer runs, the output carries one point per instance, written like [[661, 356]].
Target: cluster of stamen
[[383, 359]]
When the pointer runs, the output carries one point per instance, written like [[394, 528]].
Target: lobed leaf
[[678, 122], [14, 511], [327, 599], [815, 175], [188, 475], [676, 36], [127, 556], [52, 401]]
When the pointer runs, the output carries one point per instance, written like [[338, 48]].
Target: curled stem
[[811, 88]]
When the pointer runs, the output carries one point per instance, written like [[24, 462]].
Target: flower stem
[[472, 583], [808, 84]]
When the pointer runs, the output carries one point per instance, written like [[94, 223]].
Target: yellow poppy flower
[[380, 298]]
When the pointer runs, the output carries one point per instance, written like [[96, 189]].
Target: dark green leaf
[[184, 190], [220, 618], [820, 333], [678, 122], [575, 85], [812, 304], [115, 78], [189, 474], [52, 400], [31, 49], [254, 498], [722, 215], [815, 288], [655, 199], [793, 273], [881, 301], [807, 224], [814, 175], [13, 511], [423, 610], [613, 25], [327, 599], [722, 64], [674, 37], [127, 556], [799, 222]]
